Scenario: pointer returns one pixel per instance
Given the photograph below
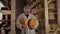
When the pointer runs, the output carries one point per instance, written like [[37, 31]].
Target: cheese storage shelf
[[52, 8], [8, 17], [5, 12], [46, 11], [6, 21]]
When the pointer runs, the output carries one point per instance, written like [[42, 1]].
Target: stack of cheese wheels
[[23, 21], [32, 23]]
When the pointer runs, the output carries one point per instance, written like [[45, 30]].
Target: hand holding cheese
[[30, 23]]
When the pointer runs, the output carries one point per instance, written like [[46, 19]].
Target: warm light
[[1, 5]]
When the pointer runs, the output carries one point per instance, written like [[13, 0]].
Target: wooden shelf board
[[5, 11], [40, 10], [4, 20], [35, 3], [5, 29], [29, 1]]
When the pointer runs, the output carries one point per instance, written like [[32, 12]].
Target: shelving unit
[[8, 20], [53, 22], [5, 21], [46, 12]]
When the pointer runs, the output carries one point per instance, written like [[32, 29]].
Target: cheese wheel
[[32, 22], [23, 21]]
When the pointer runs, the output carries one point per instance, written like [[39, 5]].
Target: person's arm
[[18, 24]]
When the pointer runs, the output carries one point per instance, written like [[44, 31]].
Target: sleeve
[[37, 23], [18, 24]]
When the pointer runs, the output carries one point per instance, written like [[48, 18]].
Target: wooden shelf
[[12, 13], [5, 28], [5, 12], [29, 1], [35, 3], [54, 30], [4, 20], [52, 10], [51, 1], [40, 10]]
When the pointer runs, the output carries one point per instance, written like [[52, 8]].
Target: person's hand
[[32, 27], [23, 26]]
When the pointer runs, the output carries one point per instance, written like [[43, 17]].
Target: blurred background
[[46, 11]]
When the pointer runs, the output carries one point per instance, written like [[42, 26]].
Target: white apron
[[26, 30]]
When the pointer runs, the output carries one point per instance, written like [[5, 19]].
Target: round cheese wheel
[[23, 21], [32, 22]]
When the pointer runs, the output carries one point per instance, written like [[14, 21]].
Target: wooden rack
[[12, 13], [50, 11]]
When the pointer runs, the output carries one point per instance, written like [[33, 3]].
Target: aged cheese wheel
[[32, 22], [51, 15], [54, 26], [51, 6], [23, 21]]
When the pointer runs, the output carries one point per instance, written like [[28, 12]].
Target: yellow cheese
[[54, 26], [32, 22], [23, 21]]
